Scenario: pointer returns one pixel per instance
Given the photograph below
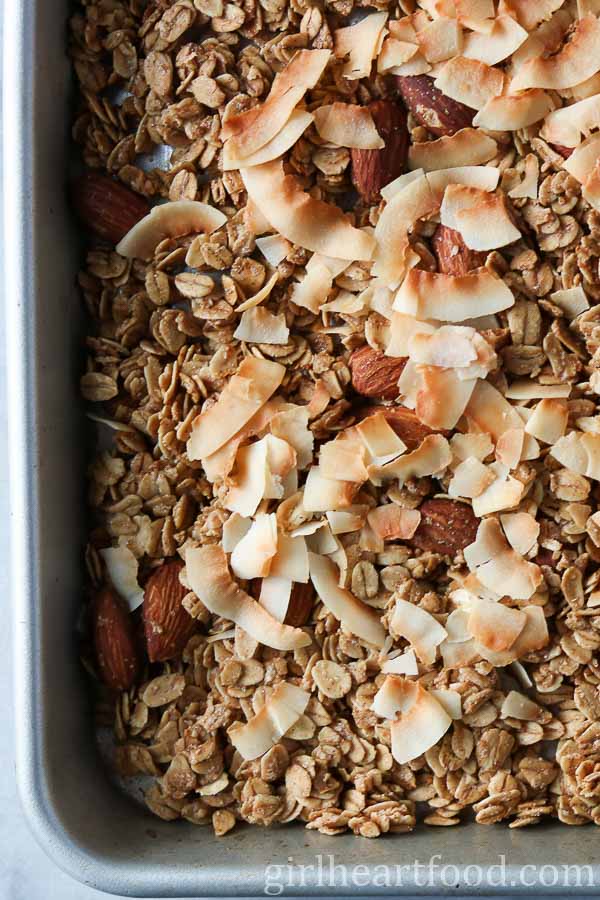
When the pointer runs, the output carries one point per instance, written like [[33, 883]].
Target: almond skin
[[301, 604], [452, 254], [446, 527], [117, 656], [167, 624], [374, 374], [565, 152], [106, 206], [373, 169], [431, 108], [405, 423]]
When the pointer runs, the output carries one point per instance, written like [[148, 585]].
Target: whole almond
[[167, 624], [117, 656], [431, 108], [373, 169], [374, 374], [446, 527], [405, 423], [452, 254], [301, 604], [106, 206]]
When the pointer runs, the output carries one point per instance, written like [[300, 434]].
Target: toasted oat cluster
[[344, 297]]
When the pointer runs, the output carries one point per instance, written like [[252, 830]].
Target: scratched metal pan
[[86, 825]]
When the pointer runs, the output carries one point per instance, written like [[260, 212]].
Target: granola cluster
[[441, 543]]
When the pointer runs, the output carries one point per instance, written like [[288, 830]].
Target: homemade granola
[[344, 292]]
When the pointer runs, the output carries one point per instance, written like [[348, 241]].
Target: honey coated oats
[[343, 287]]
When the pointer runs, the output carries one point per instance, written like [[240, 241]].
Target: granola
[[342, 276]]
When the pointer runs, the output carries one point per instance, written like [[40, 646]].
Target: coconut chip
[[122, 568], [339, 458], [379, 437], [275, 594], [169, 220], [274, 248], [392, 522], [420, 727], [504, 492], [489, 412], [210, 579], [582, 161], [356, 617], [281, 711], [470, 479], [396, 695], [505, 37], [431, 457], [521, 530], [291, 132], [252, 555], [452, 298], [322, 494], [291, 425], [418, 627], [248, 131], [572, 301], [482, 218], [234, 530], [548, 421], [260, 470], [518, 706], [470, 82], [302, 219], [567, 126], [345, 521], [396, 53], [450, 701], [512, 112], [495, 564], [360, 43], [528, 389], [440, 39], [495, 627], [579, 451], [348, 125], [241, 398], [529, 14], [509, 447], [467, 147], [442, 396], [404, 664], [259, 326], [574, 63]]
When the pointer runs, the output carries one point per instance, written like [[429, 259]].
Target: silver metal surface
[[85, 825]]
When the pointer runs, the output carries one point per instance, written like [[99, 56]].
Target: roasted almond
[[117, 656], [301, 604], [437, 113], [446, 527], [106, 206], [167, 624], [405, 423], [373, 169], [374, 374], [452, 254]]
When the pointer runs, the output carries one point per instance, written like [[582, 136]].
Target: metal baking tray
[[84, 823]]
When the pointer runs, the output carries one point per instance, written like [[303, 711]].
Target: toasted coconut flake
[[528, 187], [274, 248], [527, 389], [442, 397], [396, 53], [345, 521], [457, 626], [440, 39], [419, 628], [467, 147], [343, 458], [505, 37], [518, 706], [402, 330], [509, 447], [322, 494], [470, 479], [572, 301], [450, 701], [488, 411], [234, 530], [452, 298], [248, 131], [548, 421], [504, 492], [241, 398], [379, 437], [494, 626], [211, 581], [591, 187], [534, 635], [312, 291], [521, 530], [292, 131], [579, 451], [348, 125], [496, 564], [464, 446], [396, 695], [275, 593], [281, 711], [455, 655], [259, 472], [252, 555], [299, 217], [420, 728], [291, 559], [481, 217], [529, 14], [122, 568], [392, 522], [356, 617], [543, 40], [454, 347], [431, 457], [472, 13], [360, 43], [469, 81], [259, 326], [574, 63], [405, 664], [567, 126], [219, 464], [512, 112], [291, 425], [261, 295], [169, 220]]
